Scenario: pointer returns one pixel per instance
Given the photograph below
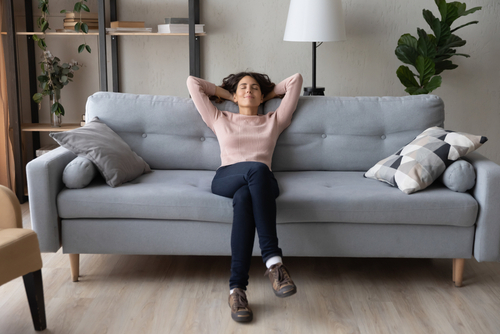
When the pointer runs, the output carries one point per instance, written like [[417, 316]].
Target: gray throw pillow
[[460, 176], [95, 141], [79, 173]]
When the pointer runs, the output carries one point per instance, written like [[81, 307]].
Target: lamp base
[[309, 91]]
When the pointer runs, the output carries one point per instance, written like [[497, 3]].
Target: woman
[[247, 142]]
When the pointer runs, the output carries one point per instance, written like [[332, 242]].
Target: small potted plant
[[53, 78]]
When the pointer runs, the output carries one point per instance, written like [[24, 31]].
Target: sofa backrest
[[327, 133]]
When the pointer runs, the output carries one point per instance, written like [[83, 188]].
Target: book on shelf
[[176, 20], [127, 24], [83, 20], [129, 29], [73, 24], [83, 15], [179, 28], [73, 30]]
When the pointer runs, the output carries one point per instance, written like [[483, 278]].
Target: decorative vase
[[55, 120]]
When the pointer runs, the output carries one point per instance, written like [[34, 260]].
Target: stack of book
[[73, 18], [82, 122], [128, 26]]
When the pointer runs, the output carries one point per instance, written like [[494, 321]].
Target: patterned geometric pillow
[[422, 161]]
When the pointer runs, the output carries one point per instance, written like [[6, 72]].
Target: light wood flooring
[[188, 294]]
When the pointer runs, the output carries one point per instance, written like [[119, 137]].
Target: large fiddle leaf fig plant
[[429, 54]]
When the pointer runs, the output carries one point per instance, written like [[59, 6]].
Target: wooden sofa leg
[[458, 271], [34, 290], [74, 260]]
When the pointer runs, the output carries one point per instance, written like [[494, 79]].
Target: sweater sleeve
[[200, 90], [291, 87]]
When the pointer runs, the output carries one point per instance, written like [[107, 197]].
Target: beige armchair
[[20, 255]]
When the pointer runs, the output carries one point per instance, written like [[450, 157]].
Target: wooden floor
[[180, 294]]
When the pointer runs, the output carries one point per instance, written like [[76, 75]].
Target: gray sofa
[[326, 206]]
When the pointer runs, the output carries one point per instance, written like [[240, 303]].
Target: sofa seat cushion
[[162, 194], [314, 196], [348, 197]]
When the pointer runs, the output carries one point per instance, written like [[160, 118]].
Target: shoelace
[[240, 300], [280, 274]]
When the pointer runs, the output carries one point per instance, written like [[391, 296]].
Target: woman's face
[[248, 93]]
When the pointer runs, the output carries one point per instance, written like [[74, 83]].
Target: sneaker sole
[[242, 317], [285, 294]]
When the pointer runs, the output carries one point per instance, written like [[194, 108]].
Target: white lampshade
[[315, 21]]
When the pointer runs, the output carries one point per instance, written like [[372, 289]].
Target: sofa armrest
[[44, 176], [487, 194]]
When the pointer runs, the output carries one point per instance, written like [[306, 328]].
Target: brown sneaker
[[238, 303], [283, 285]]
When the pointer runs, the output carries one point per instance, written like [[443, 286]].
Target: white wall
[[249, 35]]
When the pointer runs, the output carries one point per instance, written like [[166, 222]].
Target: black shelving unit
[[13, 96], [194, 44], [13, 78]]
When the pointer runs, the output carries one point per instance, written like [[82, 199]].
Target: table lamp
[[315, 21]]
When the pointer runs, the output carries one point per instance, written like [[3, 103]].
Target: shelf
[[108, 33], [151, 34], [55, 33], [44, 127]]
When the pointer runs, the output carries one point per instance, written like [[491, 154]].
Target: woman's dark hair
[[230, 83]]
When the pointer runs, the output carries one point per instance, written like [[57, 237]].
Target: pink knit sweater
[[246, 137]]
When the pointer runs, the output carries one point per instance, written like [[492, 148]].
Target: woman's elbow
[[192, 83], [294, 80], [298, 77]]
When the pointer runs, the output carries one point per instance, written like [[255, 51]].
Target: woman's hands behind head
[[222, 94], [271, 96]]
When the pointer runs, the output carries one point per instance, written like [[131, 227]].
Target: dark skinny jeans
[[254, 191]]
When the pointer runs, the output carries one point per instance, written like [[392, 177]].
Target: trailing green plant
[[43, 23], [81, 26], [430, 53], [55, 75]]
